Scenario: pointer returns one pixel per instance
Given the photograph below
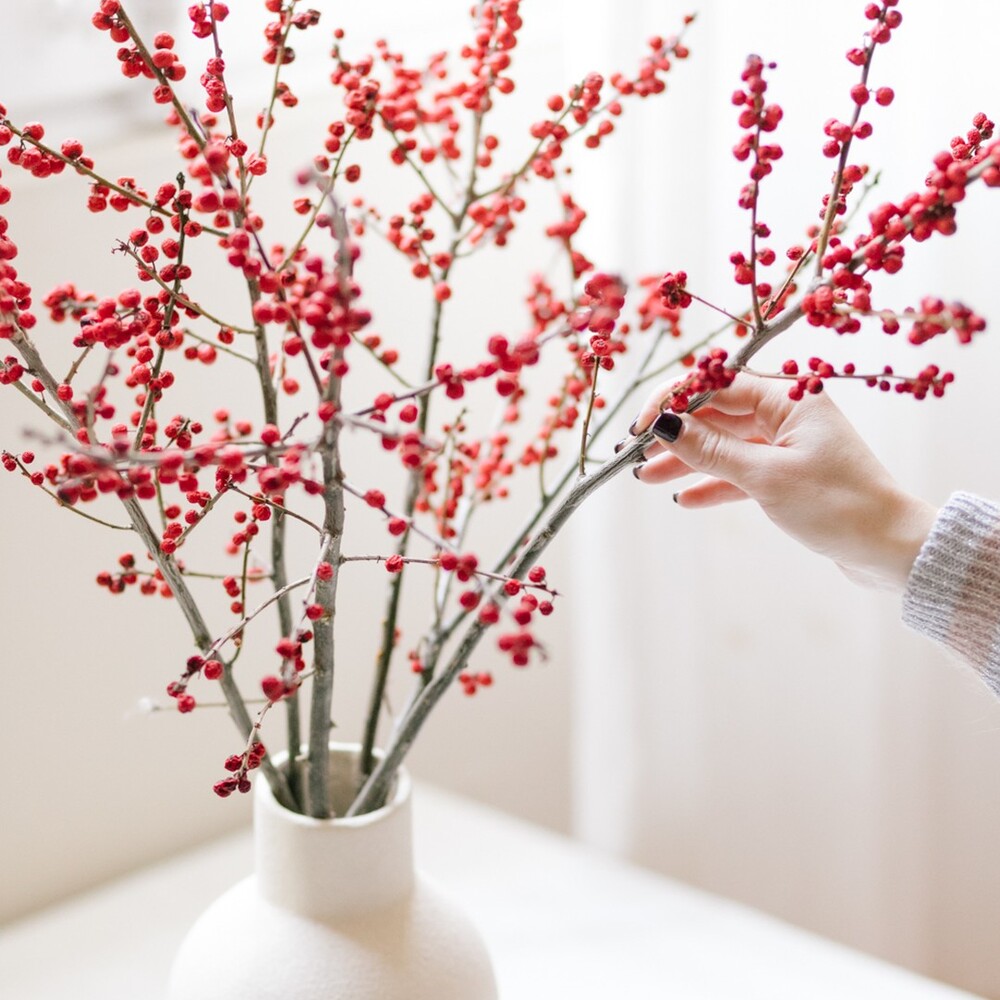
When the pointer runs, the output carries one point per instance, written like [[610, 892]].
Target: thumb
[[708, 449]]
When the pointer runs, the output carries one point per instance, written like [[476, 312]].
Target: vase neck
[[332, 868]]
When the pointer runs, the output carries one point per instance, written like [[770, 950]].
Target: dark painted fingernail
[[631, 427], [676, 495], [637, 468], [667, 426], [621, 444]]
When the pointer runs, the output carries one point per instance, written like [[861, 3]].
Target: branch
[[175, 296], [36, 400], [838, 179], [129, 193], [203, 639], [250, 616], [189, 126], [375, 789]]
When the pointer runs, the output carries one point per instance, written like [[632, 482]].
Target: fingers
[[741, 425], [661, 469], [710, 450], [744, 426], [706, 493], [709, 493], [748, 395], [754, 394]]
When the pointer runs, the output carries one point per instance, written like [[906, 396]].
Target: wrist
[[896, 530]]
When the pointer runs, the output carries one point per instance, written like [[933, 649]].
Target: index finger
[[765, 399]]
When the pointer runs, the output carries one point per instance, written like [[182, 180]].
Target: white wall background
[[741, 717]]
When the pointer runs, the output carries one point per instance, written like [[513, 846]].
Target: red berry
[[859, 94], [273, 688]]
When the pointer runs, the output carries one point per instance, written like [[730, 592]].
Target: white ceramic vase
[[333, 911]]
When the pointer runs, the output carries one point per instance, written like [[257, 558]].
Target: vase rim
[[401, 788]]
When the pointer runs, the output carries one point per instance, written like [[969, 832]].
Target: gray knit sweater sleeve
[[953, 593]]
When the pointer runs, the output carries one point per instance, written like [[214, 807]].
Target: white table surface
[[561, 921]]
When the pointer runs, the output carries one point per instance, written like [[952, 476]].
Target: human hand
[[805, 465]]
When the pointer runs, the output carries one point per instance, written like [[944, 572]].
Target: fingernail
[[621, 444], [631, 426], [676, 495], [667, 426], [637, 468]]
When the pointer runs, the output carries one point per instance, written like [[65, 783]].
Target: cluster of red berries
[[586, 104], [128, 576], [493, 218], [289, 650], [598, 312], [81, 478], [278, 50], [489, 54], [162, 64], [757, 118], [11, 370], [930, 380], [15, 294], [569, 225], [813, 382], [204, 15], [211, 668], [456, 472], [711, 373], [921, 214], [846, 296], [518, 645], [654, 309], [464, 566], [239, 765], [648, 80], [412, 236], [968, 147], [673, 290], [492, 467], [34, 157], [563, 414], [936, 317], [472, 682], [583, 107], [850, 176], [566, 229], [511, 359]]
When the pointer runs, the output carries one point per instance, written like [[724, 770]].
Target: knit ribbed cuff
[[953, 593]]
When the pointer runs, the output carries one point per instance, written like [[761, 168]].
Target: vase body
[[333, 911]]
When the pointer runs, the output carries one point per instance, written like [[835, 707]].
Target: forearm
[[953, 592]]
